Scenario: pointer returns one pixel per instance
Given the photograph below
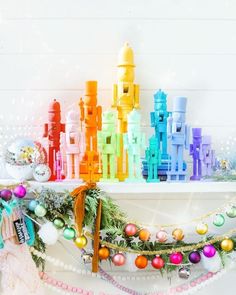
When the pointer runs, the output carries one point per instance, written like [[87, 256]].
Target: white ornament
[[42, 173], [48, 233], [212, 264]]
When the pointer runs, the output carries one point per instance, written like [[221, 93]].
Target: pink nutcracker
[[73, 144], [52, 131]]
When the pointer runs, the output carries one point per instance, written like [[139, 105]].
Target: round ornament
[[48, 233], [184, 273], [202, 228], [130, 229], [19, 191], [141, 262], [118, 259], [178, 234], [21, 157], [32, 205], [158, 262], [231, 212], [6, 194], [227, 245], [162, 236], [103, 253], [144, 235], [59, 223], [176, 258], [42, 173], [209, 251], [80, 242], [40, 211], [69, 233], [194, 257], [219, 220]]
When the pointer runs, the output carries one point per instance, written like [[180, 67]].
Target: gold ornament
[[227, 245], [81, 242], [178, 234], [202, 228]]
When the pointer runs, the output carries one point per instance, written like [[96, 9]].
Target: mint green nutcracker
[[153, 158], [134, 143], [108, 146]]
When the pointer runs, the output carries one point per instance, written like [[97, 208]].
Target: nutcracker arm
[[63, 127], [118, 137], [169, 126], [81, 106], [187, 133], [115, 94], [159, 157], [136, 97], [45, 133], [82, 143], [147, 154], [125, 141], [152, 116], [99, 117], [62, 142], [100, 138], [191, 149]]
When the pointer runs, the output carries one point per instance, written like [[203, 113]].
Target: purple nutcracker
[[196, 153], [209, 159], [178, 135]]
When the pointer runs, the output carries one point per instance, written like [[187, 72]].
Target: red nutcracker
[[52, 131]]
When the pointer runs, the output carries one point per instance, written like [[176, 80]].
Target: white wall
[[48, 49]]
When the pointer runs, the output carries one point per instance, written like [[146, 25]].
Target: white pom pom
[[48, 233], [212, 264]]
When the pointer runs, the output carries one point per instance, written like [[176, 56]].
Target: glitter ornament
[[209, 251], [194, 257], [231, 212], [144, 235], [141, 262], [184, 273], [59, 223], [202, 228], [178, 234], [118, 259], [219, 220], [69, 233], [158, 262], [32, 205], [227, 245], [40, 211], [19, 191], [103, 253], [42, 173], [162, 236], [130, 229], [6, 194], [80, 242], [176, 258]]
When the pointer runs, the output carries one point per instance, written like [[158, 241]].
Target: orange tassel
[[97, 237]]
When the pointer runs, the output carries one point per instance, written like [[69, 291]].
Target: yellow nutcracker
[[125, 99]]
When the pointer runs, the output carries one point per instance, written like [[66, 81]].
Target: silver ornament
[[42, 173], [184, 273], [87, 257]]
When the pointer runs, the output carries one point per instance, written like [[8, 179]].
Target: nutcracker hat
[[180, 104], [126, 56], [72, 117], [197, 132], [134, 117], [109, 117], [160, 96]]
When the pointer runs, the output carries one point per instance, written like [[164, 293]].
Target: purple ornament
[[20, 191], [6, 194], [194, 257], [209, 251]]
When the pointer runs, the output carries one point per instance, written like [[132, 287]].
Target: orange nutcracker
[[52, 131], [91, 115], [125, 99]]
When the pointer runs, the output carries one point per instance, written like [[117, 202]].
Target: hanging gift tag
[[21, 231]]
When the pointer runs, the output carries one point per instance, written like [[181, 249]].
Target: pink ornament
[[119, 259], [209, 251], [19, 191], [162, 236], [131, 229], [176, 258]]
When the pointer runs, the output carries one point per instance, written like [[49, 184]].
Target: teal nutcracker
[[108, 146], [159, 121], [134, 143], [153, 158]]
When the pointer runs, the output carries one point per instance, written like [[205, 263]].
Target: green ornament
[[219, 220], [231, 212], [69, 233], [59, 223], [40, 211]]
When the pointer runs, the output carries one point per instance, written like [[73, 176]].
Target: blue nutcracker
[[178, 134], [153, 158], [196, 153], [159, 121]]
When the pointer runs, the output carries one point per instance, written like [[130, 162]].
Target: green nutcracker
[[153, 158], [109, 146], [134, 143]]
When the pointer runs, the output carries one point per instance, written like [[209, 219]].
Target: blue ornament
[[32, 205]]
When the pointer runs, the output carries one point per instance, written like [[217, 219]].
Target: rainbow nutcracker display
[[153, 159], [73, 144], [196, 153], [108, 146], [134, 143], [91, 115], [125, 99], [52, 131], [178, 134]]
